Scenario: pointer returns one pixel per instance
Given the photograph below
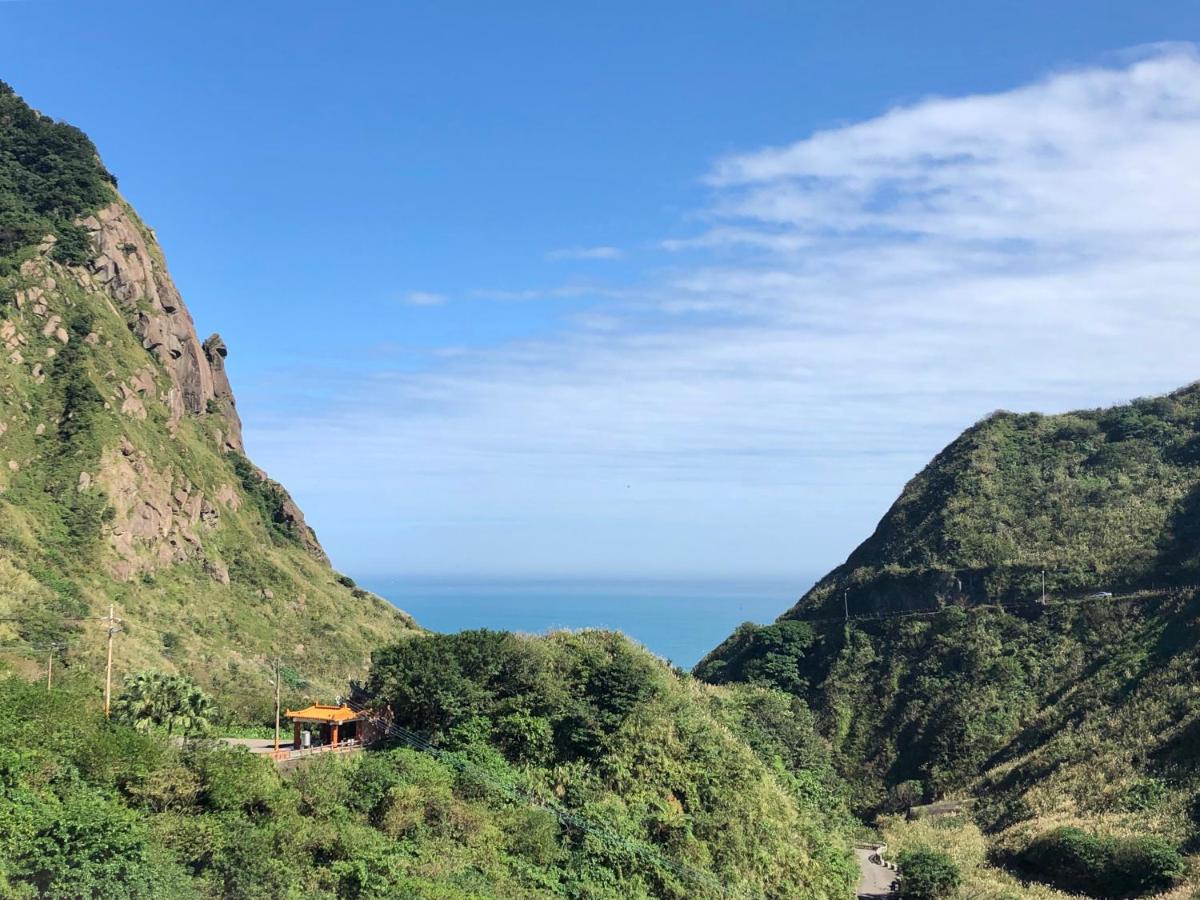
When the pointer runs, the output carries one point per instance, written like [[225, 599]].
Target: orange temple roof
[[320, 713]]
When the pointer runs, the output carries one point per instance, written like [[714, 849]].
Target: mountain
[[123, 477], [953, 679], [576, 765]]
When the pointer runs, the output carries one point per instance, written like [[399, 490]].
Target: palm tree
[[150, 700]]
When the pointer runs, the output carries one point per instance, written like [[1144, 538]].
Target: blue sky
[[632, 289]]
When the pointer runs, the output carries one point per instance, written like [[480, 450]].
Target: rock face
[[122, 474], [129, 269], [136, 278], [215, 352]]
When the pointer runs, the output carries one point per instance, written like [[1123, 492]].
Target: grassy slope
[[1077, 713], [60, 406], [678, 789]]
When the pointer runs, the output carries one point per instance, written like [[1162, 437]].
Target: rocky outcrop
[[293, 518], [134, 275], [156, 514], [286, 514], [215, 352], [129, 269]]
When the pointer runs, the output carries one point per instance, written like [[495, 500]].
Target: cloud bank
[[850, 302]]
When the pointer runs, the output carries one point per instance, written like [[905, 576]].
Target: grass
[[60, 406]]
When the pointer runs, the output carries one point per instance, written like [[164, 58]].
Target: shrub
[[151, 700], [928, 874], [1074, 860], [74, 246]]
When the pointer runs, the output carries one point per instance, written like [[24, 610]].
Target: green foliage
[[928, 874], [49, 175], [74, 245], [158, 700], [576, 697], [97, 808], [269, 497], [1079, 702], [734, 783], [771, 654], [1145, 795], [1078, 861]]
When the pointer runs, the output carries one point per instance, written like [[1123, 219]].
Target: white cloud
[[586, 253], [564, 292], [858, 297], [423, 298]]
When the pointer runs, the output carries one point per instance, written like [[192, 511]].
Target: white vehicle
[[1099, 595]]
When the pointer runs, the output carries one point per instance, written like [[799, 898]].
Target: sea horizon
[[677, 618]]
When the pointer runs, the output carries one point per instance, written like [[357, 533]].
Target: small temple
[[329, 726]]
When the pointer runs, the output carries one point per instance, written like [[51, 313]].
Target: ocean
[[678, 620]]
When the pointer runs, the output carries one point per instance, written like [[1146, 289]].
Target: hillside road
[[875, 882]]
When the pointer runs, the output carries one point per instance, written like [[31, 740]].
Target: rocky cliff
[[123, 477]]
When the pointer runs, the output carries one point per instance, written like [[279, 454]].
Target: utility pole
[[112, 629], [1043, 587], [846, 603], [277, 704], [49, 667]]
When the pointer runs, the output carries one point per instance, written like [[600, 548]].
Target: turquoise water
[[679, 620]]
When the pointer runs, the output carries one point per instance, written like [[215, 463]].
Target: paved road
[[876, 880], [256, 745]]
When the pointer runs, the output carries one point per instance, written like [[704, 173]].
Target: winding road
[[875, 882]]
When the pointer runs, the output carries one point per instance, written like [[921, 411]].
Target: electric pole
[[112, 629], [846, 603], [1043, 587], [277, 704], [49, 667]]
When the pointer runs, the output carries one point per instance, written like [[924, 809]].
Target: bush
[[928, 874], [1112, 868]]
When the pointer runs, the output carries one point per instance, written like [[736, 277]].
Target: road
[[876, 880], [255, 745]]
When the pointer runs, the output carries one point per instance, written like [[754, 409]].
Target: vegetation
[[568, 793], [156, 700], [270, 501], [961, 840], [929, 874], [49, 175], [695, 787], [1078, 861], [93, 455], [1074, 713]]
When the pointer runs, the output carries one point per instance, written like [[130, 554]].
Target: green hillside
[[952, 679], [572, 766], [123, 478]]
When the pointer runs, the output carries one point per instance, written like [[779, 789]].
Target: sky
[[680, 289]]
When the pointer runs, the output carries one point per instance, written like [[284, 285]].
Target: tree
[[152, 700], [928, 874]]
